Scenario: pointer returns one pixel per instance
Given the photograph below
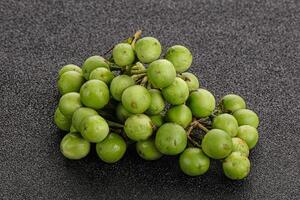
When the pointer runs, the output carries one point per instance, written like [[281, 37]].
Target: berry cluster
[[135, 97]]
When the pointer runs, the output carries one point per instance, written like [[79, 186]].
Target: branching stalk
[[143, 71]]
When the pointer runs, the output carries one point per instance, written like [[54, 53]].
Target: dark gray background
[[246, 47]]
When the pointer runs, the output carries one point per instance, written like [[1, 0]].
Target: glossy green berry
[[176, 93], [148, 49], [246, 117], [92, 63], [161, 73], [249, 134], [227, 123], [239, 145], [111, 149], [69, 103], [201, 102], [170, 139], [138, 127], [123, 54], [136, 99], [102, 74], [119, 84], [70, 81], [80, 114], [217, 144], [180, 56], [94, 94], [236, 166], [232, 102], [147, 150], [122, 113], [157, 120], [69, 67], [74, 147], [61, 121], [191, 80], [194, 162], [181, 115], [157, 104], [94, 128]]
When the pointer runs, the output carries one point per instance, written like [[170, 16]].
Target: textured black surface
[[246, 47]]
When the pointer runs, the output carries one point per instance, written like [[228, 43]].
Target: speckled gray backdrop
[[245, 47]]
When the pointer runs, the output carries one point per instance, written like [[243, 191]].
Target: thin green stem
[[131, 41], [115, 68], [219, 109], [189, 131], [154, 128], [137, 77], [108, 51], [196, 144], [136, 36], [149, 85], [105, 114], [115, 130], [144, 81], [201, 126], [114, 124]]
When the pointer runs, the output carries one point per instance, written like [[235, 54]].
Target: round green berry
[[249, 134], [191, 80], [232, 102], [102, 74], [92, 63], [176, 93], [157, 120], [227, 123], [246, 117], [74, 147], [170, 139], [122, 113], [157, 102], [236, 166], [239, 145], [180, 56], [111, 149], [147, 150], [70, 81], [201, 102], [69, 67], [161, 73], [148, 49], [194, 162], [138, 127], [181, 115], [217, 144], [79, 115], [61, 121], [69, 103], [123, 54], [94, 129], [136, 99], [119, 84], [94, 94]]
